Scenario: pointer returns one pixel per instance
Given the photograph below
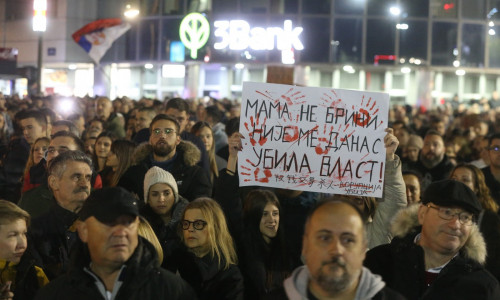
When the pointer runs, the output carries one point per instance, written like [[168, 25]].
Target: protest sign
[[313, 139]]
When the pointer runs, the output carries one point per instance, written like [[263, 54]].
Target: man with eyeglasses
[[438, 251], [166, 150], [492, 172]]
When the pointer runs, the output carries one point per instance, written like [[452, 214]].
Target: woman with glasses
[[163, 210], [488, 220], [18, 274], [208, 259]]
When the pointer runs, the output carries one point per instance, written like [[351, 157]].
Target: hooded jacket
[[402, 266], [192, 180], [142, 278], [370, 287]]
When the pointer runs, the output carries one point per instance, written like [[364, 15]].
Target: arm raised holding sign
[[394, 197]]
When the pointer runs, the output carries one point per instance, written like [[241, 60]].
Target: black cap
[[452, 193], [107, 204]]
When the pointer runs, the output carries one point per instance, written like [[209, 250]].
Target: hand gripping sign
[[313, 139]]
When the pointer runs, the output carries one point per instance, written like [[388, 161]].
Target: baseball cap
[[109, 203]]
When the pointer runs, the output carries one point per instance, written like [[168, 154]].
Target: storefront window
[[444, 8], [346, 44], [473, 45], [380, 39], [148, 44], [317, 7], [412, 8], [494, 47], [316, 40], [380, 7], [413, 41], [444, 43], [171, 45], [349, 7], [474, 9]]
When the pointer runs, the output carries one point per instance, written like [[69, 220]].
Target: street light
[[39, 25]]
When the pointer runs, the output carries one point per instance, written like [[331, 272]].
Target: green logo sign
[[194, 32]]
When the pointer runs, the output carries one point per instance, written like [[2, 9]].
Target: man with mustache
[[334, 247], [432, 164], [166, 150], [437, 251], [52, 234]]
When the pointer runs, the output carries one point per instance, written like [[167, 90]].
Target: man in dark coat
[[114, 262], [492, 172], [437, 252], [166, 150], [52, 234], [432, 164], [334, 247]]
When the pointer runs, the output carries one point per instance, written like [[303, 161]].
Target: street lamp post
[[39, 26]]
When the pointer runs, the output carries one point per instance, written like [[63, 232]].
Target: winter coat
[[37, 201], [489, 226], [116, 125], [51, 238], [193, 181], [370, 287], [207, 277], [439, 172], [402, 266], [142, 279], [166, 233], [26, 278], [393, 199]]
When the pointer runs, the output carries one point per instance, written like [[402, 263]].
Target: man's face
[[142, 120], [59, 145], [433, 150], [411, 153], [164, 144], [402, 135], [80, 124], [103, 108], [181, 117], [73, 188], [32, 130], [89, 146], [334, 248], [110, 245], [412, 188], [95, 128], [439, 127], [445, 237], [494, 155]]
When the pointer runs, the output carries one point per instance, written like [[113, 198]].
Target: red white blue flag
[[96, 37]]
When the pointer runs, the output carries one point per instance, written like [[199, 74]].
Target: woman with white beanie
[[163, 209]]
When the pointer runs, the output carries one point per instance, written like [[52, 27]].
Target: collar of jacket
[[189, 153], [406, 223]]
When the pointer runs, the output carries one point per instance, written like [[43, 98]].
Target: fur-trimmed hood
[[406, 222], [190, 153]]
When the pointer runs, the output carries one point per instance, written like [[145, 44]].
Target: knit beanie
[[158, 175]]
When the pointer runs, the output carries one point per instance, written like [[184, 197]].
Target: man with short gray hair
[[53, 234]]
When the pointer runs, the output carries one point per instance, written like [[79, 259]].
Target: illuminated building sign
[[238, 35], [194, 32]]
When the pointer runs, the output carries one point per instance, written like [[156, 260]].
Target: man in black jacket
[[166, 150], [438, 251], [115, 263]]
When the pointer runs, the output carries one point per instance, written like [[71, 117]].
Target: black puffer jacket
[[142, 279], [401, 265], [51, 237], [192, 180], [207, 277]]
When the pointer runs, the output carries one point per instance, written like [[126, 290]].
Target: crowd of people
[[140, 199]]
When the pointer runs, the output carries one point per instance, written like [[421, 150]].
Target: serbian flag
[[96, 37]]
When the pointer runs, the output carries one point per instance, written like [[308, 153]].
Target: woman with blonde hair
[[208, 259], [488, 220], [18, 273], [145, 230], [205, 133]]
